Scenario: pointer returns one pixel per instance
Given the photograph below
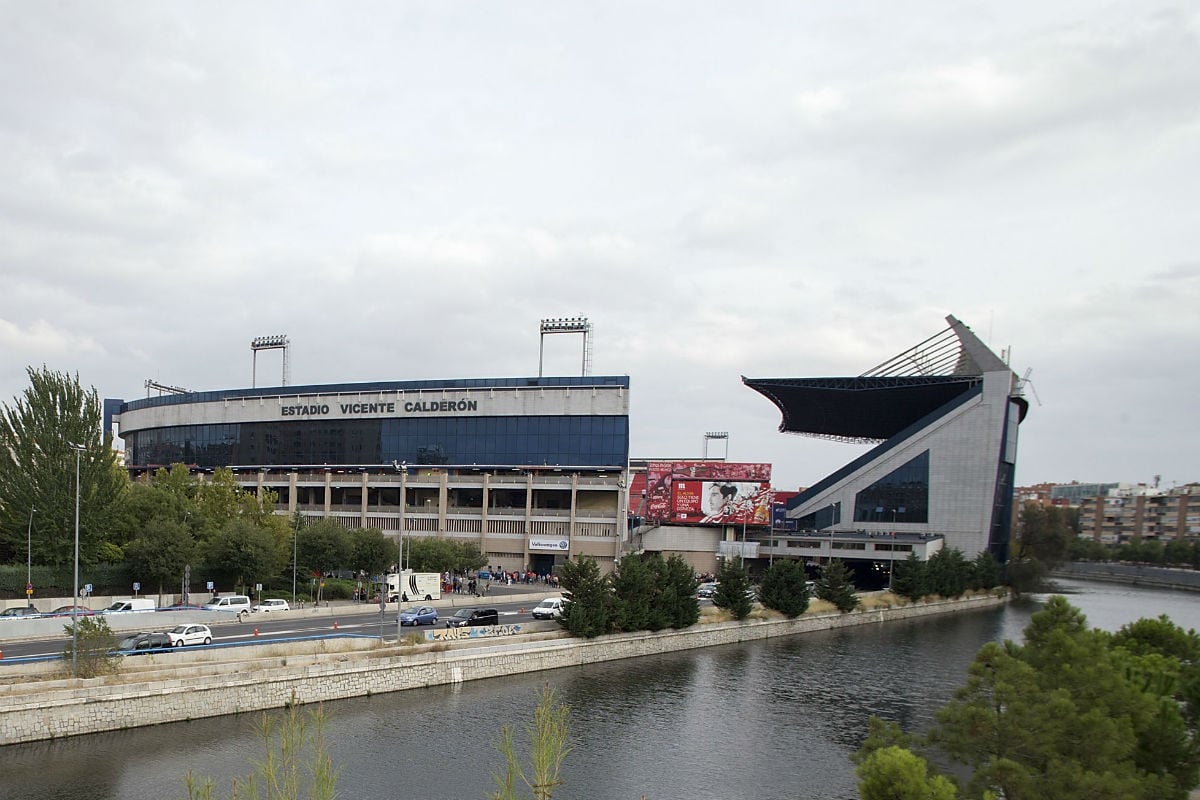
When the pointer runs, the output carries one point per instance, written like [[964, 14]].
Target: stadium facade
[[532, 470], [943, 416]]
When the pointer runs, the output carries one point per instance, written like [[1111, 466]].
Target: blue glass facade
[[502, 439], [556, 441]]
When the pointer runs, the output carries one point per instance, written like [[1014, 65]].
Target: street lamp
[[892, 559], [295, 539], [402, 468], [29, 562], [78, 448]]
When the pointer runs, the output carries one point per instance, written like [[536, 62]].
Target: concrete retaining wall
[[47, 710], [1134, 574]]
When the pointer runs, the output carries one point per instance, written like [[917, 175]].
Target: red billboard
[[707, 492]]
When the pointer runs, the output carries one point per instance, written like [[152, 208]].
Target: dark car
[[65, 611], [143, 641], [473, 616], [18, 612]]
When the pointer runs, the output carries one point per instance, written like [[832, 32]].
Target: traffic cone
[[335, 624], [1, 655], [256, 631]]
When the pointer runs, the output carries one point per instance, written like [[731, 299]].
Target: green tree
[[244, 553], [893, 773], [323, 546], [910, 578], [678, 592], [1068, 715], [785, 588], [733, 588], [37, 472], [372, 551], [588, 612], [1044, 538], [636, 602], [159, 554], [427, 554], [94, 656], [835, 585], [985, 571], [948, 572]]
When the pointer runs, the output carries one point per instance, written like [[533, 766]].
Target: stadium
[[532, 470]]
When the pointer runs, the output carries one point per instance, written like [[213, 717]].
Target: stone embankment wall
[[1135, 574], [51, 709]]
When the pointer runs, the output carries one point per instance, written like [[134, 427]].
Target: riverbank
[[1132, 574], [272, 676]]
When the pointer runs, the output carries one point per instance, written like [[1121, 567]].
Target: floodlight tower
[[719, 436], [279, 342], [567, 325]]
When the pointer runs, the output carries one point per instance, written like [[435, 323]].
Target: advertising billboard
[[707, 492]]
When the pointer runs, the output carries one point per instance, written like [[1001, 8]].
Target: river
[[762, 720]]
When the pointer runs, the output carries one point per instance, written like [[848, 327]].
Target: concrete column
[[443, 501], [328, 492], [363, 514]]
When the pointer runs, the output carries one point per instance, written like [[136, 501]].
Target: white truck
[[135, 604], [406, 587]]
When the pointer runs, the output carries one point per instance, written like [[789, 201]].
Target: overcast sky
[[782, 189]]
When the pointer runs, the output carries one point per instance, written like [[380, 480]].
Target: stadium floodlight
[[567, 325], [277, 342]]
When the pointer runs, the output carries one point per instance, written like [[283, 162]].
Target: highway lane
[[362, 618]]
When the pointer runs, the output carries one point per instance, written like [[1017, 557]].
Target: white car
[[182, 635], [550, 608], [272, 605]]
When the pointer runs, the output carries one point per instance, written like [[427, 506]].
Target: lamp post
[[892, 555], [78, 448], [402, 468], [29, 561], [295, 541]]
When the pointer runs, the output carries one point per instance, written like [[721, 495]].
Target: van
[[237, 603], [136, 604], [550, 608]]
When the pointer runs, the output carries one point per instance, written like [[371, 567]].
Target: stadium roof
[[887, 399]]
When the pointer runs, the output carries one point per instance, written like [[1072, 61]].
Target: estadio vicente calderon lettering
[[417, 406]]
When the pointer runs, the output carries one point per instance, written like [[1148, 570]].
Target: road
[[363, 618]]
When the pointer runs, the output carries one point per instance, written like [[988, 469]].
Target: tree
[[323, 546], [37, 472], [893, 773], [1068, 715], [948, 573], [588, 612], [636, 602], [244, 553], [733, 588], [162, 551], [372, 551], [427, 554], [785, 588], [678, 595], [1044, 539], [910, 579], [985, 571], [96, 645], [835, 585]]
